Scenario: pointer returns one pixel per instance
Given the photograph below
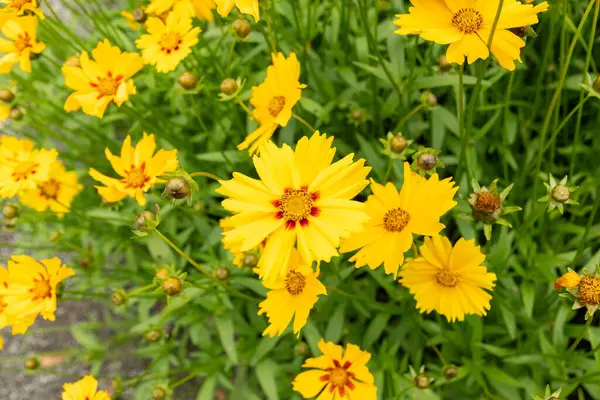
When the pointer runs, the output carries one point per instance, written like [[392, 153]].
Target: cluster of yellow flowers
[[36, 176]]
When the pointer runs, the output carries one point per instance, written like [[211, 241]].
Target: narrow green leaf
[[265, 373], [225, 328]]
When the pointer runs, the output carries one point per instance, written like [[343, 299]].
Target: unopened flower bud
[[444, 64], [32, 363], [54, 236], [10, 211], [398, 144], [73, 61], [222, 273], [6, 95], [172, 286], [422, 381], [426, 161], [139, 15], [596, 84], [161, 273], [153, 335], [561, 193], [242, 28], [428, 99], [521, 31], [159, 393], [450, 371], [228, 86], [357, 115], [118, 298], [16, 114], [177, 188], [301, 349], [188, 80], [250, 260], [141, 221]]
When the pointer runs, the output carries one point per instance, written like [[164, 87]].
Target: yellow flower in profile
[[292, 295], [336, 376], [274, 99], [168, 43], [21, 166], [84, 389], [201, 9], [250, 7], [395, 217], [301, 198], [449, 280], [139, 170], [22, 7], [1, 343], [55, 194], [4, 112], [569, 280], [133, 24], [105, 80], [21, 44], [466, 25], [31, 289]]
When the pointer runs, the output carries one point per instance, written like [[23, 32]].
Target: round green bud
[[222, 273], [187, 80], [242, 28], [228, 86], [172, 286], [422, 381]]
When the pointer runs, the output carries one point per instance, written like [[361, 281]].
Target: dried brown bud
[[139, 15], [488, 201], [172, 286], [188, 80], [242, 28], [450, 371], [16, 114], [250, 260], [444, 64], [32, 363], [228, 86], [398, 144], [427, 161], [222, 273], [142, 219], [177, 188], [6, 95], [422, 381]]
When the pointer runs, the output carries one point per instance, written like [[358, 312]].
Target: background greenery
[[351, 60]]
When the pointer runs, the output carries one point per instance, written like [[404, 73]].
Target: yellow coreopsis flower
[[1, 343], [292, 295], [105, 80], [250, 7], [336, 376], [449, 280], [21, 166], [201, 9], [301, 198], [21, 7], [84, 389], [466, 25], [21, 44], [396, 216], [168, 43], [4, 112], [274, 99], [139, 170], [31, 289], [55, 194]]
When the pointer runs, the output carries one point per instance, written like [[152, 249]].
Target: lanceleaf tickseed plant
[[263, 200]]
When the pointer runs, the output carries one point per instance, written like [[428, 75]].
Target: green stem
[[576, 343], [230, 56], [141, 290], [272, 41], [304, 122], [464, 139], [182, 253], [183, 380], [588, 226], [241, 103], [577, 108], [388, 171], [207, 175], [408, 116]]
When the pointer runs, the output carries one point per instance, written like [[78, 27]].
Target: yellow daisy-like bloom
[[85, 389], [395, 217], [337, 377], [449, 280], [250, 7], [22, 167], [274, 99], [31, 289], [55, 194], [466, 25], [201, 9], [105, 80], [139, 170], [133, 24], [21, 44], [300, 198], [168, 42], [569, 280], [21, 7], [292, 295]]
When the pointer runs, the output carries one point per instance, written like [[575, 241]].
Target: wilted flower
[[584, 289], [488, 206], [558, 194]]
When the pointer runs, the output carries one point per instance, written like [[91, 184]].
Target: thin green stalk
[[182, 253], [588, 227], [461, 124], [408, 116], [375, 48], [577, 108], [304, 122], [141, 290], [557, 92], [388, 171], [271, 36], [588, 58], [230, 57], [244, 106], [588, 323], [206, 174]]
